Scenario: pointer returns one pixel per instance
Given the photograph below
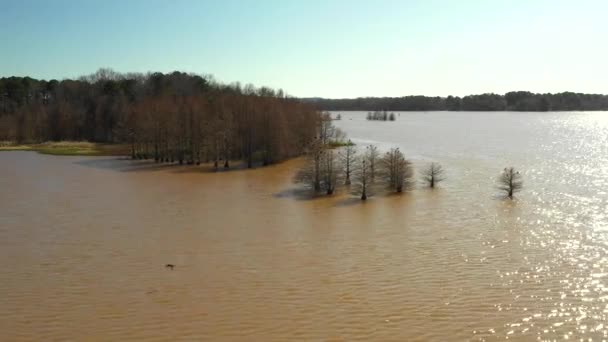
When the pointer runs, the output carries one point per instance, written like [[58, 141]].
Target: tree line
[[512, 101], [380, 116], [175, 117]]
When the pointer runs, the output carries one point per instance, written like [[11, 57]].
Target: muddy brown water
[[84, 243]]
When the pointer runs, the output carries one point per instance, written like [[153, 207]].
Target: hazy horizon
[[328, 49]]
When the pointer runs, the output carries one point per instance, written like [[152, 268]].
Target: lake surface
[[84, 242]]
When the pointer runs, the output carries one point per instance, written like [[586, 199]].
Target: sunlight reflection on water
[[558, 285]]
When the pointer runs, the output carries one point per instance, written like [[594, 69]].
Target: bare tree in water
[[329, 171], [372, 156], [433, 174], [398, 171], [510, 181], [363, 183], [311, 173], [326, 129], [348, 156]]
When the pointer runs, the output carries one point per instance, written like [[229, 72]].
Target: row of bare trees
[[362, 172], [218, 129]]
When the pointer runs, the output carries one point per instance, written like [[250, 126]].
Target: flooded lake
[[85, 241]]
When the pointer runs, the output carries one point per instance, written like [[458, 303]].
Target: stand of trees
[[512, 101], [380, 116], [323, 172], [174, 117]]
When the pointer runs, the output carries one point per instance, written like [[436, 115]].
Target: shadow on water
[[351, 201], [300, 194], [505, 200], [209, 168], [122, 164], [126, 164], [508, 206], [338, 199]]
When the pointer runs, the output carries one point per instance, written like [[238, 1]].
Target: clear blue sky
[[342, 48]]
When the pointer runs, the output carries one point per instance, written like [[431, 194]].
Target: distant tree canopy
[[512, 101], [176, 116]]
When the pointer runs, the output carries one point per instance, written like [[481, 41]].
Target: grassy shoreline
[[85, 148], [69, 148]]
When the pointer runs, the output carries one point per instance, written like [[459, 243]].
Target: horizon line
[[211, 77]]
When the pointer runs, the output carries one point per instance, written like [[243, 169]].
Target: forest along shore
[[171, 118]]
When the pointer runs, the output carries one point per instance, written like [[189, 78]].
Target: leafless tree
[[311, 173], [326, 129], [320, 171], [510, 181], [433, 174], [372, 155], [347, 156], [363, 185], [329, 171], [398, 171]]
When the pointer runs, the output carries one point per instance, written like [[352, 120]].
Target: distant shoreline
[[469, 111], [517, 101]]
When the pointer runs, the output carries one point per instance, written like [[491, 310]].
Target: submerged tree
[[347, 157], [310, 174], [363, 182], [510, 181], [398, 171], [329, 171], [372, 155], [433, 174], [322, 169], [379, 116]]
